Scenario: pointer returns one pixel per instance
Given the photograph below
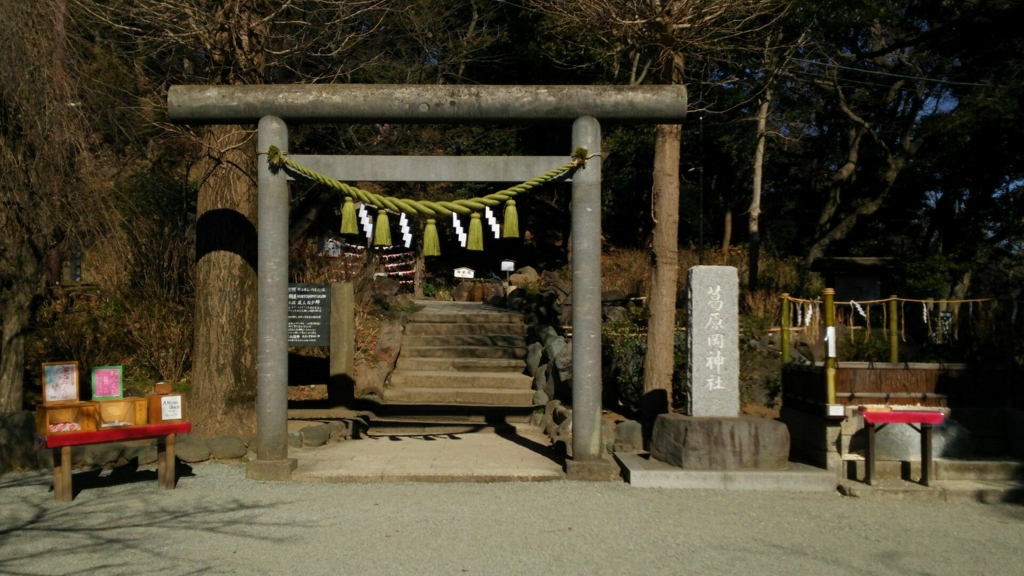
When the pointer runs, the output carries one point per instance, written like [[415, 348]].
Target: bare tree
[[44, 197], [667, 37]]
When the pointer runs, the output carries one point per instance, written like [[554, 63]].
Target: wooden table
[[62, 443], [925, 419]]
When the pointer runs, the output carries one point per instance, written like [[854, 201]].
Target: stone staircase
[[462, 354]]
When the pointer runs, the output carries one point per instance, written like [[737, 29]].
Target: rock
[[720, 443], [630, 432], [612, 296], [901, 442], [491, 290], [133, 392], [536, 419], [607, 436], [525, 275], [539, 397], [97, 455], [540, 379], [402, 302], [516, 301], [553, 347], [370, 379], [313, 436], [533, 356], [551, 406], [555, 281], [549, 426], [615, 314], [498, 301], [563, 361], [17, 441], [463, 292], [386, 286], [146, 454], [565, 316], [191, 449], [563, 442], [565, 428], [545, 334], [226, 447], [295, 440], [389, 342], [339, 430], [551, 382], [253, 444]]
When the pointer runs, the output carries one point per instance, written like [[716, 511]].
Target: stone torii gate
[[273, 106]]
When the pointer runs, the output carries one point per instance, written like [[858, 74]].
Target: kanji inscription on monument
[[713, 336], [309, 314]]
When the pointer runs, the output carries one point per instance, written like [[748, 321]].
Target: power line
[[905, 77]]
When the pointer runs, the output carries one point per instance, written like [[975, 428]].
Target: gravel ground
[[219, 522]]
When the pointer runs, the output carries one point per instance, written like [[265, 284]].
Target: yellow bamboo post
[[785, 329], [830, 361], [894, 341]]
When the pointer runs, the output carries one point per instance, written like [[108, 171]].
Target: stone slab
[[642, 472], [736, 443], [273, 470], [713, 368]]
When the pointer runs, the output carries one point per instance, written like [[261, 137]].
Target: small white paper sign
[[170, 408], [508, 266], [464, 273], [830, 337], [836, 410]]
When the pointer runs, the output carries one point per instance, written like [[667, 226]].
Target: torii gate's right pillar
[[587, 449]]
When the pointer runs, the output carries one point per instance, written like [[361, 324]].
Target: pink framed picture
[[106, 383], [60, 382]]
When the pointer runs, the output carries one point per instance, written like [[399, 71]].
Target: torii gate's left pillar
[[272, 461]]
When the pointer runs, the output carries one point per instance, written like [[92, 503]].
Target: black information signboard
[[309, 314]]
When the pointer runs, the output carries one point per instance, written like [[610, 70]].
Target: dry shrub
[[627, 270], [161, 332]]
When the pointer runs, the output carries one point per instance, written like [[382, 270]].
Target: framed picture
[[106, 383], [60, 382]]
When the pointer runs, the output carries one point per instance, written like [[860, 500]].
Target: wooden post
[[784, 335], [894, 340], [341, 386], [62, 474], [926, 454], [869, 462], [830, 362]]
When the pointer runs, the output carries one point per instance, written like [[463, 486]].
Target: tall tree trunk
[[224, 354], [727, 230], [754, 214], [659, 359], [17, 312]]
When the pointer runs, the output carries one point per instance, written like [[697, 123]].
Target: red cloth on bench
[[904, 417], [116, 434]]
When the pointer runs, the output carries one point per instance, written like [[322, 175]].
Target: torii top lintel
[[424, 104]]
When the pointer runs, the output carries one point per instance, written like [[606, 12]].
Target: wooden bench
[[61, 445], [878, 419]]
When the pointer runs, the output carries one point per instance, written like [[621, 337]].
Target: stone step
[[462, 364], [945, 470], [439, 328], [465, 340], [445, 379], [463, 396], [464, 352], [470, 318]]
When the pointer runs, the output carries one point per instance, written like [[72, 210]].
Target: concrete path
[[217, 522], [522, 455]]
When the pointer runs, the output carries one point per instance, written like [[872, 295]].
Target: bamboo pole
[[830, 362], [894, 340], [785, 329]]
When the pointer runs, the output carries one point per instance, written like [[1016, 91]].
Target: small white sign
[[836, 411], [508, 266], [464, 273], [830, 337], [170, 408]]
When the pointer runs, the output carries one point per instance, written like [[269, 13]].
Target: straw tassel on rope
[[382, 233], [511, 220], [476, 233], [431, 243], [348, 217]]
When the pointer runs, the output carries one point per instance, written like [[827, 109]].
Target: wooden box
[[123, 412], [167, 409], [67, 417]]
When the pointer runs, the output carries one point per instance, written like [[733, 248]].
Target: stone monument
[[714, 436], [713, 369]]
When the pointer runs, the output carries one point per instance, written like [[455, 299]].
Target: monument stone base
[[720, 443]]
